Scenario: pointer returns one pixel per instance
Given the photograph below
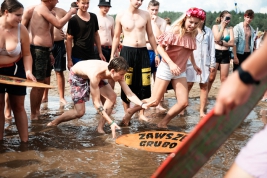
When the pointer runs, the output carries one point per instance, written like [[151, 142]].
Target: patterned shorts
[[80, 88]]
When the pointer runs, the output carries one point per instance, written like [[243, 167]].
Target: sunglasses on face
[[227, 18]]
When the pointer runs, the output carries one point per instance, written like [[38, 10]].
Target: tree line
[[259, 20]]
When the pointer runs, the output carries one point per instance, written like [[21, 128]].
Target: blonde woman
[[175, 46]]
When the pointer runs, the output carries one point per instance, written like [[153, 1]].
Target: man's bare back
[[134, 27], [106, 29], [90, 69], [27, 15]]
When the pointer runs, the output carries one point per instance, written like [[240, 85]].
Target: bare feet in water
[[51, 124], [35, 117], [101, 124], [202, 115], [182, 113], [44, 100], [162, 126], [100, 130], [8, 117], [63, 101], [143, 118], [161, 109]]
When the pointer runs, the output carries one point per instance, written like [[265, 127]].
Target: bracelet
[[111, 123], [156, 55], [142, 104], [100, 110]]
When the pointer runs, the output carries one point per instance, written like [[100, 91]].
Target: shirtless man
[[243, 48], [106, 31], [89, 76], [158, 27], [135, 24], [59, 54], [40, 26]]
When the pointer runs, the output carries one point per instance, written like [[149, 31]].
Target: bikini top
[[227, 37], [16, 51]]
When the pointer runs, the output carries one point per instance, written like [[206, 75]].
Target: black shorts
[[222, 56], [41, 65], [139, 72], [106, 50], [241, 58], [13, 89], [59, 53]]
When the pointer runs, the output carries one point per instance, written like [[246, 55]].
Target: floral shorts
[[80, 88]]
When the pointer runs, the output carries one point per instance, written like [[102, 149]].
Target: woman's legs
[[190, 86], [203, 98], [21, 119], [2, 115], [224, 71], [158, 91], [181, 92], [212, 77], [8, 114]]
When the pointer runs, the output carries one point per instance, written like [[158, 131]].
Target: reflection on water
[[74, 149]]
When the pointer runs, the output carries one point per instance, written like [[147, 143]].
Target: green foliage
[[258, 21], [170, 14]]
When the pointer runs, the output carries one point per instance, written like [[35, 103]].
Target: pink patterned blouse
[[178, 49]]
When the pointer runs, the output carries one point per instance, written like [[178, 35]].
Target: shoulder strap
[[19, 32]]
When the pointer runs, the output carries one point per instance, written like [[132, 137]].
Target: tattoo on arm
[[100, 110]]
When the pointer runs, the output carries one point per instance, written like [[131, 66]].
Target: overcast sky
[[171, 5]]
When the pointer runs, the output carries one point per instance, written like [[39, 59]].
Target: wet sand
[[74, 149]]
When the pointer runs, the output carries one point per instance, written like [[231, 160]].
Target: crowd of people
[[178, 54]]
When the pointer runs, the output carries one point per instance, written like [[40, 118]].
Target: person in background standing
[[106, 31], [244, 36], [224, 39], [205, 59]]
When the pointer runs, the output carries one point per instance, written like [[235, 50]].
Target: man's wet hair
[[153, 3], [118, 64]]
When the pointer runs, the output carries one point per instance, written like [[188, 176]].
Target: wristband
[[246, 77], [111, 123], [156, 55]]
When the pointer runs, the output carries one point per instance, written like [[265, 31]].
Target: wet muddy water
[[74, 149]]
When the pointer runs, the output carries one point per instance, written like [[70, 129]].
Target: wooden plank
[[22, 82], [153, 141], [206, 139]]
